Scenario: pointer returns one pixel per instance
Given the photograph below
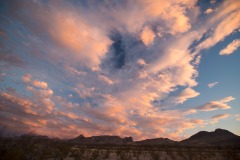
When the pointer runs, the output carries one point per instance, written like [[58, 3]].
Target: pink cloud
[[147, 36], [84, 41], [186, 94], [40, 84], [225, 21], [238, 117], [216, 118], [118, 101], [213, 106], [105, 79], [220, 116], [233, 46], [208, 11], [210, 85], [218, 104], [26, 78]]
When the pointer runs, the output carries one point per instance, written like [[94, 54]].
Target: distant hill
[[157, 141], [102, 140], [219, 137]]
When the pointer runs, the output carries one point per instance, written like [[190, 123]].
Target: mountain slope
[[102, 140], [157, 141], [219, 137]]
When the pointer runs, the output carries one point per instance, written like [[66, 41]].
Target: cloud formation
[[119, 68], [186, 94], [224, 22], [218, 104], [216, 118], [147, 36], [208, 11], [211, 85], [233, 46], [238, 117]]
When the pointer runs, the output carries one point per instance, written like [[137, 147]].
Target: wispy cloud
[[238, 117], [211, 85], [220, 116], [233, 46], [224, 22], [211, 106], [216, 118], [185, 95], [218, 104]]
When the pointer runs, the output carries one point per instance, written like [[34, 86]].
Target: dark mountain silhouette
[[102, 140], [157, 141], [33, 136], [219, 137]]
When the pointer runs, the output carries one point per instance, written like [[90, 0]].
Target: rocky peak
[[217, 137]]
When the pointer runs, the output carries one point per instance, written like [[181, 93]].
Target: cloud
[[120, 62], [40, 84], [224, 22], [185, 95], [9, 59], [208, 11], [238, 117], [147, 36], [27, 78], [75, 71], [216, 118], [141, 62], [190, 111], [210, 85], [226, 99], [213, 1], [84, 41], [214, 105], [233, 46], [105, 79], [176, 59], [173, 12]]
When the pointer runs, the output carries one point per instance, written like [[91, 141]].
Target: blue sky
[[143, 68]]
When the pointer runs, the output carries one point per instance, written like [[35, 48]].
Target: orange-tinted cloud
[[40, 84], [186, 94], [238, 117], [218, 104], [224, 22], [233, 46], [84, 41], [208, 11], [126, 101], [216, 118], [147, 36]]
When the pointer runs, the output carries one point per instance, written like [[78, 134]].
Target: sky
[[139, 68]]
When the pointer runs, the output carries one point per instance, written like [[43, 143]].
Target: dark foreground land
[[217, 145]]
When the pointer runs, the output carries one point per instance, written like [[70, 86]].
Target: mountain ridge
[[218, 137]]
